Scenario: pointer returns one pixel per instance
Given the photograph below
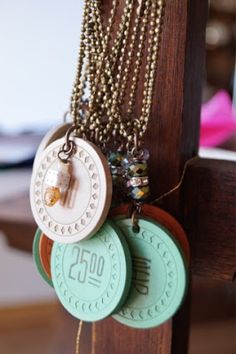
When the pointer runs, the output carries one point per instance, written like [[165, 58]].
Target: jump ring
[[135, 224]]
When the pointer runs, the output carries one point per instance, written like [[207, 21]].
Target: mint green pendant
[[92, 278], [159, 278], [36, 256]]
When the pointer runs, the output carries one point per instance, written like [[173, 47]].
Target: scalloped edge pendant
[[82, 205]]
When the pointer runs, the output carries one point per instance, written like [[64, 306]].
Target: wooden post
[[172, 139]]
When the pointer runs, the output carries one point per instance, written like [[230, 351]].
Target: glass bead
[[137, 181], [140, 193], [117, 170], [115, 158], [51, 196], [137, 169]]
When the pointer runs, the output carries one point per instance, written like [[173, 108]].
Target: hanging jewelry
[[91, 278], [71, 183]]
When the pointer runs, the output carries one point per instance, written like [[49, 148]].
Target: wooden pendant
[[86, 198]]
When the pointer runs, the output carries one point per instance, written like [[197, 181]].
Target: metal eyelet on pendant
[[55, 133], [68, 148]]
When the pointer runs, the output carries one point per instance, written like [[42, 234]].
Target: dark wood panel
[[65, 334], [16, 219], [188, 135], [172, 139], [210, 217], [19, 234], [112, 337], [173, 135]]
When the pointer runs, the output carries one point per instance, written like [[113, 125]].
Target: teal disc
[[159, 278], [36, 256], [92, 278]]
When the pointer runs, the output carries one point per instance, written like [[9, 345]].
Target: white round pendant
[[53, 134], [87, 201]]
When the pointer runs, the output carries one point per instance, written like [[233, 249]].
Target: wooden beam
[[16, 219], [173, 134], [172, 139], [209, 199], [19, 235], [188, 143]]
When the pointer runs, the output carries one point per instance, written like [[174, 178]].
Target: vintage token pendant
[[45, 250], [52, 135], [92, 278], [163, 218], [40, 258], [159, 279], [70, 201]]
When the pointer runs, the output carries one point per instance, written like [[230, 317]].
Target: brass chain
[[112, 125], [78, 87], [113, 108], [139, 125], [109, 67]]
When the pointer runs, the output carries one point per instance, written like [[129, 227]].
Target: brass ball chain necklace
[[100, 161], [108, 89], [107, 61], [106, 119]]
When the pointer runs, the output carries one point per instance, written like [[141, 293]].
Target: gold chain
[[109, 68], [78, 88], [78, 338], [114, 122], [111, 88]]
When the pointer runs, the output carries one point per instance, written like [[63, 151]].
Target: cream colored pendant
[[55, 133], [70, 201]]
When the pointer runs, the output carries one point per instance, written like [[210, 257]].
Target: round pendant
[[92, 278], [159, 279], [45, 250], [86, 202], [52, 135], [163, 218], [37, 255]]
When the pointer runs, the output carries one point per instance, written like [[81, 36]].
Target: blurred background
[[39, 42]]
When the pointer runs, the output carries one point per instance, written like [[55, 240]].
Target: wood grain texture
[[172, 138], [173, 133], [16, 220], [187, 135], [210, 217], [111, 337], [65, 334], [19, 234]]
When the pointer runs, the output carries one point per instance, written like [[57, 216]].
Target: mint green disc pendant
[[36, 256], [92, 278], [159, 278]]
